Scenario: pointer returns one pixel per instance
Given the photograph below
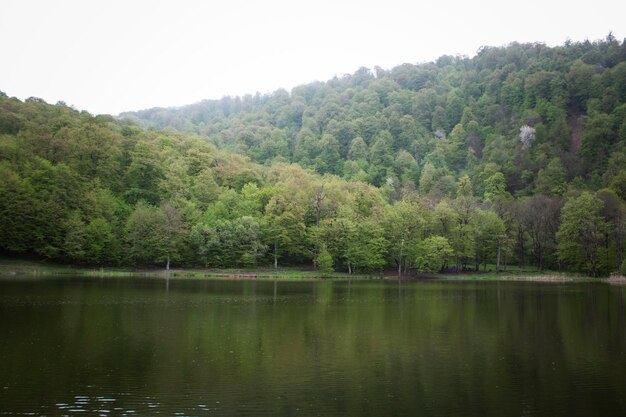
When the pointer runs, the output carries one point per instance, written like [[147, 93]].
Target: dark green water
[[370, 348]]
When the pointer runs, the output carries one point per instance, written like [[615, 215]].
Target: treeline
[[543, 117], [98, 191]]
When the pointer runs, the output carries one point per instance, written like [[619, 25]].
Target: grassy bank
[[12, 267], [535, 276], [16, 268]]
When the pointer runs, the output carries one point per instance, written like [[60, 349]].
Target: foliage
[[490, 236], [515, 156], [582, 233], [519, 106], [433, 254], [324, 260]]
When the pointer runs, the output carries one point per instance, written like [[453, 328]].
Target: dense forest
[[515, 156]]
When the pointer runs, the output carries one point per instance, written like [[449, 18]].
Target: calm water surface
[[90, 346]]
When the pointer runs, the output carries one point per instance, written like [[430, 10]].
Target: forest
[[516, 156]]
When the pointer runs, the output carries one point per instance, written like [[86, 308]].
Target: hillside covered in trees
[[515, 156], [543, 117]]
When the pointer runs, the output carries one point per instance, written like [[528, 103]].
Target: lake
[[147, 346]]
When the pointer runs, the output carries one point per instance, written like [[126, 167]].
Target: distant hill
[[529, 111]]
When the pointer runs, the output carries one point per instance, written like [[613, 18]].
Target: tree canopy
[[517, 155]]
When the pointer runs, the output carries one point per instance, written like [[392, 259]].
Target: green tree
[[213, 242], [618, 184], [75, 237], [579, 80], [144, 174], [174, 231], [146, 234], [495, 187], [597, 140], [539, 218], [329, 158], [614, 214], [433, 254], [380, 157], [581, 233], [224, 243], [324, 260], [358, 149], [367, 247], [335, 235], [443, 220], [94, 151], [464, 231], [204, 188], [490, 237], [406, 168], [249, 245], [101, 244], [552, 180], [427, 178], [306, 147], [403, 223], [284, 220], [18, 212]]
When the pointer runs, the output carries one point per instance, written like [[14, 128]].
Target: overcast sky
[[117, 55]]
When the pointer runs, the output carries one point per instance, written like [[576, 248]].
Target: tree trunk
[[618, 242], [522, 250], [275, 256], [607, 237], [400, 257], [349, 268], [498, 260], [167, 265]]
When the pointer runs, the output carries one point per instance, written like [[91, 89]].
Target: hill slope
[[446, 118]]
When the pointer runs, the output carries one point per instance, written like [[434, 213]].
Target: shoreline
[[17, 268]]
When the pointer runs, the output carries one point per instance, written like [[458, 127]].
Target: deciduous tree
[[581, 233]]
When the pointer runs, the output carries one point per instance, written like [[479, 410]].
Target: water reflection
[[182, 347]]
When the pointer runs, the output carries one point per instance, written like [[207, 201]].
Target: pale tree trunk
[[498, 260], [400, 257], [275, 256], [349, 268], [167, 265]]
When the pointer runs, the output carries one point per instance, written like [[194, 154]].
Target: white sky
[[117, 55]]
